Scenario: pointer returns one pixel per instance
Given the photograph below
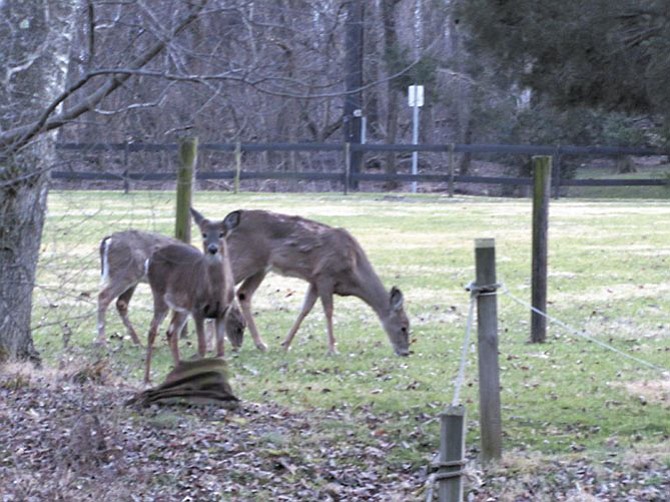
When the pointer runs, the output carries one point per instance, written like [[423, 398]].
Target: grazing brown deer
[[190, 282], [123, 257], [329, 259]]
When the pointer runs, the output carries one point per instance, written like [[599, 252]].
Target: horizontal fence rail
[[346, 177], [369, 147]]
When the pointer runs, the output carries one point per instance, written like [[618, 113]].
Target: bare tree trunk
[[41, 35], [390, 45], [464, 97], [22, 209]]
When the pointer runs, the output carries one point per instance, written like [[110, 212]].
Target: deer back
[[123, 254], [290, 245]]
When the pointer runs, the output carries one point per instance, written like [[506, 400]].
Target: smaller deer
[[190, 282], [123, 257]]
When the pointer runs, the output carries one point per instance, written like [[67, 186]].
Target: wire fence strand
[[582, 335]]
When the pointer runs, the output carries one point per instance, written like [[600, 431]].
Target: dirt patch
[[651, 391]]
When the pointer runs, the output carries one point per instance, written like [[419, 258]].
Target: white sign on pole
[[415, 95], [415, 99]]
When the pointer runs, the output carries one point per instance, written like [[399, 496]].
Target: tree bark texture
[[390, 42], [22, 210], [37, 35]]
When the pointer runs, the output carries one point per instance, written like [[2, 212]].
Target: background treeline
[[275, 71]]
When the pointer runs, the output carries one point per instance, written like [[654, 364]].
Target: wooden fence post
[[452, 446], [238, 165], [556, 171], [347, 167], [451, 169], [188, 154], [541, 192], [126, 160], [490, 422]]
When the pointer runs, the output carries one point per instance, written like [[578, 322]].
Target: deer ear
[[232, 220], [396, 298], [199, 218]]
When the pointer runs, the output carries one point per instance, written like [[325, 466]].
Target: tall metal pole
[[415, 138]]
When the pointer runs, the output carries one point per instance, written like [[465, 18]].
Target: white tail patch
[[104, 279]]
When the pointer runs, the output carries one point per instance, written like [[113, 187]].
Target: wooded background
[[296, 72]]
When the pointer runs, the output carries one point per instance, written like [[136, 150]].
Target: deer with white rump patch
[[328, 258], [123, 260], [123, 257], [190, 282]]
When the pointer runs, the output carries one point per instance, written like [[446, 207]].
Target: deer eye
[[204, 236]]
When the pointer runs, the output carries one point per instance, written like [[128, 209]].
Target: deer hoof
[[332, 352], [262, 347]]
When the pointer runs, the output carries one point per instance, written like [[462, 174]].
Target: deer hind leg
[[244, 294], [307, 304], [160, 311], [105, 297], [122, 303], [176, 325]]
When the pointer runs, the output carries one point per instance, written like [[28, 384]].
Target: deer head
[[396, 323], [215, 232]]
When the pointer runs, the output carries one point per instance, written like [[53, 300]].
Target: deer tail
[[104, 259]]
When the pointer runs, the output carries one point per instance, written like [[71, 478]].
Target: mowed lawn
[[609, 277]]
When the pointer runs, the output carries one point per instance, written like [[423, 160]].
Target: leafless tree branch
[[14, 139]]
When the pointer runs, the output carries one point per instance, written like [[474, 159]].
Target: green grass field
[[609, 265]]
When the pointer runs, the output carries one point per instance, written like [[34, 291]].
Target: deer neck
[[214, 273], [371, 290]]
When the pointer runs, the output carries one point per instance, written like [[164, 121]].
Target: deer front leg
[[327, 302], [174, 329], [220, 326], [159, 315], [307, 304], [202, 339], [244, 294]]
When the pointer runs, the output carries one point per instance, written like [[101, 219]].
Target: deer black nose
[[212, 249]]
